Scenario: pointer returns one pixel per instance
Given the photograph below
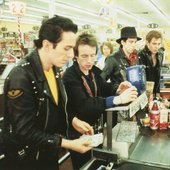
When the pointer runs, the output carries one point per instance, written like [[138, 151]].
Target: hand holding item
[[127, 96], [123, 86], [82, 126], [77, 145], [95, 140]]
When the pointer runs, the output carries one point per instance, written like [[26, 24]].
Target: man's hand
[[123, 86], [127, 96], [82, 127], [77, 145]]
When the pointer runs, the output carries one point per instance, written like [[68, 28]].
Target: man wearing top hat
[[116, 64]]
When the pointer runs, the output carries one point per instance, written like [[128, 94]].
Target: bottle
[[154, 116]]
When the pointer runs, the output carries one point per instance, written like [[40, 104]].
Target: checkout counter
[[129, 146]]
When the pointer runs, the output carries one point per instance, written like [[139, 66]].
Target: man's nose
[[90, 59], [157, 46], [71, 53]]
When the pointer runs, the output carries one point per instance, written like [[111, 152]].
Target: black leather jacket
[[152, 72], [80, 103], [32, 119], [115, 67]]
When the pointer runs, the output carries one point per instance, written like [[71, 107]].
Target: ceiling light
[[26, 15], [120, 10], [22, 20], [81, 10], [157, 10]]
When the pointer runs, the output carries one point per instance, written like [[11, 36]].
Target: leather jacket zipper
[[65, 108], [46, 121]]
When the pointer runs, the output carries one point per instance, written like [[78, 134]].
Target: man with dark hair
[[116, 64], [88, 94], [152, 57], [35, 119]]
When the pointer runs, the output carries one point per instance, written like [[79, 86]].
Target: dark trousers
[[78, 160], [46, 161]]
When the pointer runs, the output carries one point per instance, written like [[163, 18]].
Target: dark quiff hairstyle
[[85, 39], [153, 34], [108, 44], [53, 28]]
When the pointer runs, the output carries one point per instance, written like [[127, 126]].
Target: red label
[[154, 121]]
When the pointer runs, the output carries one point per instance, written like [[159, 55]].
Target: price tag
[[134, 107]]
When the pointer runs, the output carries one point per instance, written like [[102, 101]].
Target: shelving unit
[[165, 82]]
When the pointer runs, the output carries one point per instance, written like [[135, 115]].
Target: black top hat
[[128, 32]]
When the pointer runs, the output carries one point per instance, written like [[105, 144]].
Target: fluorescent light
[[29, 15], [81, 10], [120, 10], [22, 20], [46, 1], [84, 21], [157, 10]]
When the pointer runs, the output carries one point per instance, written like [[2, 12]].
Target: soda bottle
[[154, 116]]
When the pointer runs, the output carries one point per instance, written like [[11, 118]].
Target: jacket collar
[[77, 68], [34, 60], [159, 55]]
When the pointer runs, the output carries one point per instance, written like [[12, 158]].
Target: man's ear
[[122, 42], [147, 43], [46, 44]]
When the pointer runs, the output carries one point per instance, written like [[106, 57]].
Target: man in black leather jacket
[[152, 58], [35, 119], [116, 64], [88, 94]]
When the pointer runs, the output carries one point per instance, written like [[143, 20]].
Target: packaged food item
[[146, 121], [163, 119]]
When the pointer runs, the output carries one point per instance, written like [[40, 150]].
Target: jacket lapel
[[47, 91], [61, 88], [35, 62]]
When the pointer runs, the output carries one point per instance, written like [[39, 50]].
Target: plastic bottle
[[154, 116]]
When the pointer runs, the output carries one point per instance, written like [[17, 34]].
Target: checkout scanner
[[137, 77]]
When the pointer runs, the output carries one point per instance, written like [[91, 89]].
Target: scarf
[[87, 86]]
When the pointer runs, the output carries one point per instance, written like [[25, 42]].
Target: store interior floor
[[66, 165]]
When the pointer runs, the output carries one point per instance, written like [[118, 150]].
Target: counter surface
[[152, 148]]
